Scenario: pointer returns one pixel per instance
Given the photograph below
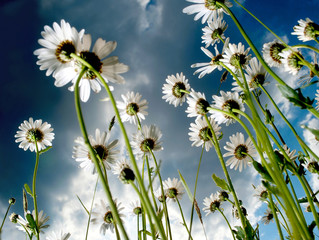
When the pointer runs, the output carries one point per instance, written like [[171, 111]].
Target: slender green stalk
[[118, 237], [231, 230], [306, 46], [182, 215], [150, 181], [93, 155], [34, 195], [89, 220], [274, 212], [5, 216], [148, 204], [138, 226]]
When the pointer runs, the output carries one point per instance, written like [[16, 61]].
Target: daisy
[[124, 171], [136, 208], [311, 165], [147, 140], [271, 53], [291, 154], [58, 44], [214, 31], [103, 149], [212, 203], [222, 195], [306, 30], [206, 8], [60, 236], [241, 151], [255, 75], [25, 226], [317, 100], [209, 67], [173, 189], [291, 61], [261, 192], [132, 107], [158, 194], [102, 215], [172, 90], [227, 102], [109, 68], [197, 104], [201, 134], [236, 56], [268, 217], [34, 132]]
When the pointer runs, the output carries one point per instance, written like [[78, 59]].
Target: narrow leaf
[[45, 150], [83, 205], [27, 188], [189, 193], [220, 182]]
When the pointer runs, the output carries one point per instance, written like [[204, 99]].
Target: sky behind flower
[[155, 39]]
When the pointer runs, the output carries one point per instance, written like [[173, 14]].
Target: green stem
[[89, 220], [93, 155], [274, 212], [150, 181], [34, 195], [5, 216], [306, 46], [138, 226], [182, 215], [148, 204], [118, 237], [231, 230]]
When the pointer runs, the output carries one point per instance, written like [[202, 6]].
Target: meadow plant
[[68, 57]]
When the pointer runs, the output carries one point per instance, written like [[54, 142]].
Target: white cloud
[[309, 138]]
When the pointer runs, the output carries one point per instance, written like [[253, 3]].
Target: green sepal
[[262, 171], [28, 189], [295, 96], [220, 183]]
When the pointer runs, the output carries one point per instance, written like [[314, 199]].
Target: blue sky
[[155, 39]]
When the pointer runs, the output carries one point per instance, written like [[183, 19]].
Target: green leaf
[[28, 189], [45, 150], [240, 233], [31, 221], [274, 190], [269, 117], [220, 182], [303, 200], [262, 171], [189, 193], [83, 205], [295, 96]]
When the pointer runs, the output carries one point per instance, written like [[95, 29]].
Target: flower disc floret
[[197, 104], [236, 56], [173, 189], [292, 61], [271, 53], [212, 203], [306, 30]]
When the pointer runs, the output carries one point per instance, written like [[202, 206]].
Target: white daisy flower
[[172, 90], [200, 132], [102, 215], [173, 189], [131, 106], [317, 100], [58, 44], [34, 132], [261, 192], [147, 139], [291, 61], [236, 55], [255, 74], [212, 203], [205, 8], [124, 171], [135, 208], [227, 102], [209, 67], [103, 149], [268, 217], [197, 104], [214, 31], [109, 68], [291, 154], [58, 236], [25, 226], [306, 30], [311, 165], [271, 52], [241, 151]]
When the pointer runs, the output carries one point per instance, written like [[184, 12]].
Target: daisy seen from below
[[200, 133], [58, 236], [291, 60], [236, 56], [268, 217], [146, 140], [205, 9], [255, 75], [271, 53], [175, 89], [109, 68], [173, 189], [102, 215], [105, 150], [34, 132], [135, 208], [311, 165], [25, 226], [228, 101], [261, 192], [306, 30], [212, 203], [197, 104], [124, 171], [132, 107], [209, 67], [58, 44], [241, 152], [214, 32]]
